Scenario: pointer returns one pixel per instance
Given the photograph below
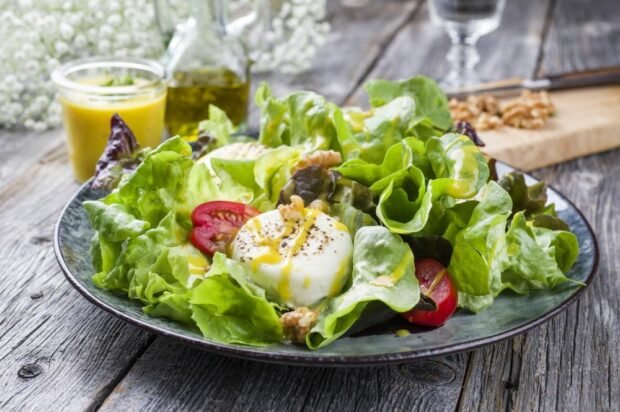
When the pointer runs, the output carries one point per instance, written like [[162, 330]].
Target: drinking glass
[[465, 21]]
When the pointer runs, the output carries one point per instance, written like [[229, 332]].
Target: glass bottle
[[205, 65]]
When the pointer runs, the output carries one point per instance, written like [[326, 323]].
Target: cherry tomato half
[[216, 224], [435, 283]]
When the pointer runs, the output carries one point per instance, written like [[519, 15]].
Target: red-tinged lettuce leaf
[[465, 128], [315, 182], [121, 155]]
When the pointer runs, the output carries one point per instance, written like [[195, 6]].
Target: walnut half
[[294, 211], [298, 323], [322, 158]]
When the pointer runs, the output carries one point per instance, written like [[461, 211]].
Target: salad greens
[[380, 259], [121, 155], [406, 186]]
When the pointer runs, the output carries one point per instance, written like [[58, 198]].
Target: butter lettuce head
[[491, 254]]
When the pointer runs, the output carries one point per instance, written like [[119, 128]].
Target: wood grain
[[173, 376], [73, 352], [582, 35]]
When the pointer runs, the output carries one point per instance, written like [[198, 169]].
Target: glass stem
[[463, 58]]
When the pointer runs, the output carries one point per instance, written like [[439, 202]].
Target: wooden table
[[59, 352]]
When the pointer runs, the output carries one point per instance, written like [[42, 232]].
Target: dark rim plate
[[510, 315]]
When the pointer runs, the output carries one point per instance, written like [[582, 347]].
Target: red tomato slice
[[435, 283], [216, 224]]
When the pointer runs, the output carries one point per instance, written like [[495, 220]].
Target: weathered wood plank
[[21, 150], [173, 376], [582, 35], [421, 47], [77, 352]]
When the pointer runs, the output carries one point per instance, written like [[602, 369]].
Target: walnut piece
[[530, 111], [297, 324], [322, 158], [294, 211], [319, 204]]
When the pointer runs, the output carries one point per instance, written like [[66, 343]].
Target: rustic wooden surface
[[59, 352]]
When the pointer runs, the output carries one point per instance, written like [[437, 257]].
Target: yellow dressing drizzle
[[341, 227], [197, 264], [394, 277], [284, 287], [339, 278], [307, 282], [268, 258]]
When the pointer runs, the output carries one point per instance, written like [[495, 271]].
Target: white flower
[[66, 31], [39, 35]]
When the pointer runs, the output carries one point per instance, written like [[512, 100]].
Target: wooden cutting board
[[587, 121]]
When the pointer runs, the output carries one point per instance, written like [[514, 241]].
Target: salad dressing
[[339, 279], [87, 121], [396, 275], [284, 286]]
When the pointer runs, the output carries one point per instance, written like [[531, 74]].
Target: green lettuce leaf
[[404, 205], [430, 101], [487, 258], [301, 119], [256, 181], [382, 271], [537, 257], [218, 126], [354, 219], [367, 135], [460, 168], [114, 222], [158, 185], [479, 250], [227, 308]]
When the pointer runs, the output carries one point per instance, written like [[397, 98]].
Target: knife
[[597, 77]]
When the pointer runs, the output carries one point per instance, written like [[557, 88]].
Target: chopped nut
[[321, 158], [530, 111], [487, 122], [319, 204], [298, 323], [294, 211]]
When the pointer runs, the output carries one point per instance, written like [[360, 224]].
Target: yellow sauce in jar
[[87, 124]]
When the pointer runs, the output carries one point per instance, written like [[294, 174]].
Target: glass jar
[[92, 90]]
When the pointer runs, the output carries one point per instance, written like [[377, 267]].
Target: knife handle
[[596, 77]]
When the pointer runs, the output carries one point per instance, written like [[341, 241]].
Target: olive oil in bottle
[[191, 93], [206, 66]]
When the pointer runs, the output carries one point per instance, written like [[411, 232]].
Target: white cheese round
[[300, 262]]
